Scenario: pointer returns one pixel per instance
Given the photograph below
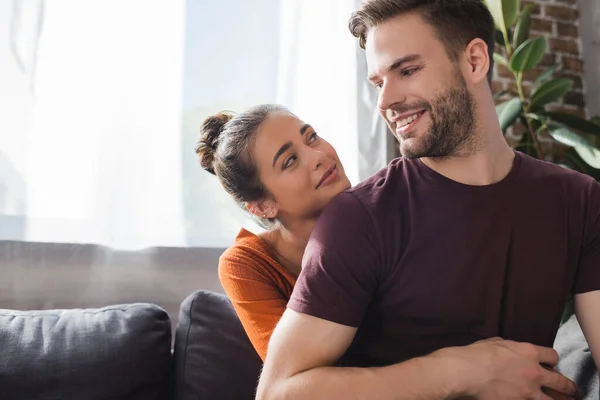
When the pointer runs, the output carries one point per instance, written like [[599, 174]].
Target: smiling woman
[[283, 173]]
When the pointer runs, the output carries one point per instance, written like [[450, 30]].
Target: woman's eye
[[288, 163], [313, 137]]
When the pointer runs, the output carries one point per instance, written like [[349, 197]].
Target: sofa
[[126, 352]]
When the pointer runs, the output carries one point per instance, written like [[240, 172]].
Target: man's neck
[[490, 160], [490, 163]]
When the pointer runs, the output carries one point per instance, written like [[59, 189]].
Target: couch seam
[[187, 337]]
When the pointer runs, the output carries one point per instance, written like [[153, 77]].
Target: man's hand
[[303, 348], [503, 369]]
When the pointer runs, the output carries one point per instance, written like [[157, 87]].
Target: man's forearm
[[417, 379]]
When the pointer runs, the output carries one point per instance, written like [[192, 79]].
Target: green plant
[[579, 138]]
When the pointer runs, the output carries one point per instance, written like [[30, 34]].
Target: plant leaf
[[499, 38], [576, 161], [549, 91], [528, 54], [546, 75], [536, 117], [508, 112], [568, 137], [595, 119], [496, 9], [498, 59], [590, 155], [510, 10], [575, 122], [522, 29]]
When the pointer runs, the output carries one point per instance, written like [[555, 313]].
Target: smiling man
[[414, 275]]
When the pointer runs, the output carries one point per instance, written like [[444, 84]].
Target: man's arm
[[303, 348], [587, 295]]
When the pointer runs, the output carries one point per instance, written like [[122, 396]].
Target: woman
[[275, 166]]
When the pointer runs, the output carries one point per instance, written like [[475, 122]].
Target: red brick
[[548, 60], [577, 82], [571, 2], [540, 25], [504, 72], [566, 29], [562, 13], [572, 64], [564, 46], [575, 99], [535, 7], [533, 73], [497, 86], [567, 109]]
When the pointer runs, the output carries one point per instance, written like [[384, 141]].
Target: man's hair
[[456, 22]]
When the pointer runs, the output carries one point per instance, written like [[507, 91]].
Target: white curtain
[[121, 87], [318, 72], [103, 153], [322, 77]]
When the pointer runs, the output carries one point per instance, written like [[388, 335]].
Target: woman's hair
[[225, 150]]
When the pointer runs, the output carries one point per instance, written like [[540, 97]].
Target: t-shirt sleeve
[[256, 298], [342, 264], [588, 273]]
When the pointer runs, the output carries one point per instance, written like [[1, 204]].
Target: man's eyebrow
[[397, 64], [282, 150], [304, 128]]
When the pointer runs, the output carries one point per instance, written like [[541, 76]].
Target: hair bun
[[210, 132]]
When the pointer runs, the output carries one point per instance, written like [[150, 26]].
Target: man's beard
[[453, 126]]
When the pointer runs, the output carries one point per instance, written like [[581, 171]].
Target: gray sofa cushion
[[214, 358], [117, 352], [575, 359]]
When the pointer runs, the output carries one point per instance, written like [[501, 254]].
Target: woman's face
[[301, 170]]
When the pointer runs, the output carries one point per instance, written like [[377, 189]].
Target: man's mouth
[[406, 122]]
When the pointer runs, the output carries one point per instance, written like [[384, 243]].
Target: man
[[414, 274]]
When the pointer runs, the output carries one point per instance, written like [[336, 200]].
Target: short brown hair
[[456, 22]]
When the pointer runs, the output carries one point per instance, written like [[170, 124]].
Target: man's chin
[[409, 149]]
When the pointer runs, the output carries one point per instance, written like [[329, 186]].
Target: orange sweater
[[258, 286]]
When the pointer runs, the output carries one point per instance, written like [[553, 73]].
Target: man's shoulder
[[546, 172], [378, 188], [363, 204]]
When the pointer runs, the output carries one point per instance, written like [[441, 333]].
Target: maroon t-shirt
[[419, 262]]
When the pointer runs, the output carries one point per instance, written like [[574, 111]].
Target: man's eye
[[409, 71]]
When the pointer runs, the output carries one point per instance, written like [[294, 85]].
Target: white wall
[[589, 25]]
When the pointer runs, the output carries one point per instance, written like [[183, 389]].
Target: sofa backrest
[[575, 358], [213, 356], [116, 352]]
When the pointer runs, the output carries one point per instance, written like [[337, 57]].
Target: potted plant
[[557, 136]]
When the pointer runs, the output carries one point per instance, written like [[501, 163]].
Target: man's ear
[[262, 208], [477, 61]]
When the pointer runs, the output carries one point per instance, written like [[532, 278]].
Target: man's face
[[423, 96]]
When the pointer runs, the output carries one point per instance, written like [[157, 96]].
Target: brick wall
[[557, 20]]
